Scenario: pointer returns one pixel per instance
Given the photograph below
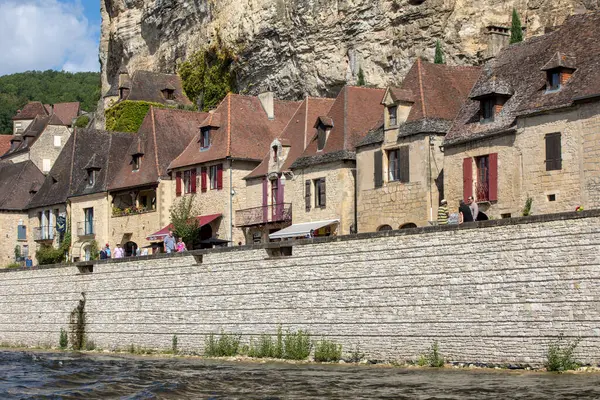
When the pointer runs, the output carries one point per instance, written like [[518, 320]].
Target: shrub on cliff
[[127, 116], [82, 121]]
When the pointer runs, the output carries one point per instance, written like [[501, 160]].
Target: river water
[[38, 375]]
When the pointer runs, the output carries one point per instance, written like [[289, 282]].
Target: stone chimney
[[267, 102], [497, 38]]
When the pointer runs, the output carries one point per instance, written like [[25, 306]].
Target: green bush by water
[[174, 344], [64, 339], [226, 345], [297, 345], [560, 357], [433, 357], [328, 351], [266, 347]]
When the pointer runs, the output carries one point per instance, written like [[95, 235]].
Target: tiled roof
[[298, 132], [25, 140], [244, 131], [354, 112], [163, 135], [148, 86], [521, 66], [16, 184], [30, 111], [4, 144], [66, 112]]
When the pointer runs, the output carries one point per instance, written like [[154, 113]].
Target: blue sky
[[49, 34]]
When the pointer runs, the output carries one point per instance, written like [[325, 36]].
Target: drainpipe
[[231, 193], [355, 175], [430, 178]]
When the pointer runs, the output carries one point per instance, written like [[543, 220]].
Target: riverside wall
[[496, 291]]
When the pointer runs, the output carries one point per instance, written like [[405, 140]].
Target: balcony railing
[[86, 228], [482, 191], [43, 233], [264, 214]]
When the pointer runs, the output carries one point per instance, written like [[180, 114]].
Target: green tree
[[516, 31], [361, 78], [82, 122], [439, 53], [183, 217]]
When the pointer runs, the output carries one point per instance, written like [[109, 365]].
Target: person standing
[[181, 245], [442, 217], [464, 212], [108, 254], [474, 208], [169, 243], [28, 262], [103, 253], [119, 252]]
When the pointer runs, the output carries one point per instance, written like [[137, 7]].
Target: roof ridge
[[291, 119], [72, 160], [107, 160], [422, 95], [228, 150], [154, 139]]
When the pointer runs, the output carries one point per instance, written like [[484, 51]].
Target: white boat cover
[[301, 230]]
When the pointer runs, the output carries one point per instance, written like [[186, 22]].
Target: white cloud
[[46, 34]]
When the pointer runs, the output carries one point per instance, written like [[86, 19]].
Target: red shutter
[[219, 176], [265, 200], [193, 179], [178, 184], [467, 178], [493, 175], [203, 179]]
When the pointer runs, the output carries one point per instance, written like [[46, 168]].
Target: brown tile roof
[[298, 132], [163, 135], [354, 112], [521, 66], [24, 141], [66, 112], [4, 144], [148, 86], [244, 131], [16, 184], [30, 111]]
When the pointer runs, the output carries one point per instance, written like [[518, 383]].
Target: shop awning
[[160, 235], [301, 230]]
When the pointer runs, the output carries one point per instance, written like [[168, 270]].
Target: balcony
[[43, 233], [482, 191], [86, 228], [263, 215]]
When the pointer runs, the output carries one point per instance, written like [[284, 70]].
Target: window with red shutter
[[219, 176], [178, 184], [467, 178], [307, 187], [193, 179], [203, 180], [493, 177]]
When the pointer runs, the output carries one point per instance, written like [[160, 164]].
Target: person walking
[[119, 252], [442, 218], [169, 243], [181, 245], [28, 262], [464, 212], [103, 253], [108, 254], [474, 208]]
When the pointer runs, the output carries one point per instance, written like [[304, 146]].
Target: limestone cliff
[[297, 47]]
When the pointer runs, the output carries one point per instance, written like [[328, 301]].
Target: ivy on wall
[[128, 115]]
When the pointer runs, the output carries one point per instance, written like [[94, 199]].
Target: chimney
[[267, 102], [497, 38]]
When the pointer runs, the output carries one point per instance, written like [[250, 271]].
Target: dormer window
[[558, 71], [204, 138], [168, 94], [321, 138], [91, 177], [123, 93], [393, 111], [487, 109], [275, 158], [553, 80], [136, 161]]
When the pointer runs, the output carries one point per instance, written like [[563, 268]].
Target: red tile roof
[[66, 112], [148, 86], [163, 135], [30, 111], [4, 143], [244, 131]]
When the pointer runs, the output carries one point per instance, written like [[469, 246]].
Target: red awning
[[160, 235]]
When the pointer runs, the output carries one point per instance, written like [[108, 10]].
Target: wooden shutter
[[307, 195], [178, 184], [203, 179], [265, 199], [378, 168], [219, 176], [322, 193], [467, 178], [193, 174], [403, 164], [493, 176], [553, 152]]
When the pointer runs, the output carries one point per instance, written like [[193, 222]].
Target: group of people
[[106, 252], [172, 245], [467, 212]]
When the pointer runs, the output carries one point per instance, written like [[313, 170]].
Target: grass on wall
[[128, 115]]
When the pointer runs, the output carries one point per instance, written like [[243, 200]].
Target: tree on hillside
[[516, 30], [439, 54], [183, 217], [361, 78]]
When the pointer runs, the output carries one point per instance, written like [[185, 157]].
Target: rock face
[[312, 47]]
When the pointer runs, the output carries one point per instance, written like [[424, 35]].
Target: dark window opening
[[505, 216], [321, 138], [553, 80], [320, 193], [487, 109], [551, 197], [384, 228], [205, 138], [393, 115], [483, 178], [187, 181], [213, 176], [169, 94], [91, 177], [136, 162], [553, 152], [275, 148], [393, 165]]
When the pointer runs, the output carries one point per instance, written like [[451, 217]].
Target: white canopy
[[301, 230]]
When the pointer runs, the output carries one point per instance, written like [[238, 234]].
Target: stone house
[[530, 128], [399, 164], [141, 189], [18, 184], [269, 187], [27, 114], [229, 144], [323, 194]]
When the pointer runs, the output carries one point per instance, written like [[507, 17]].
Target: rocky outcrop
[[298, 47]]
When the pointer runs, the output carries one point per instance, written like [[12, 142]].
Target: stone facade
[[42, 232], [522, 168], [48, 146], [80, 238], [9, 222], [393, 294]]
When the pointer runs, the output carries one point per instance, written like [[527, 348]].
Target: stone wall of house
[[9, 235], [45, 147], [339, 193], [34, 225], [522, 168], [395, 203], [102, 218], [521, 284]]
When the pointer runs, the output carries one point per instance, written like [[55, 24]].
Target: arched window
[[384, 228], [408, 226]]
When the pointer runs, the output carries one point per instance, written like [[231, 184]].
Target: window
[[91, 177], [136, 162], [320, 197], [393, 166], [553, 80], [21, 232], [378, 169], [393, 115], [487, 110], [553, 152], [307, 190], [25, 251], [551, 197], [187, 181], [275, 153], [57, 141], [46, 166], [89, 221], [483, 178], [321, 138], [169, 94], [213, 178], [204, 138], [17, 124], [398, 165]]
